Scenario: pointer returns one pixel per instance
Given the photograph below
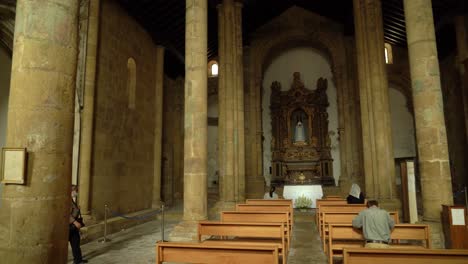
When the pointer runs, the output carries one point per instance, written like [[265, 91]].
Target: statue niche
[[300, 140]]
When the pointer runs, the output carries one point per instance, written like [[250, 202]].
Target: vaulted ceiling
[[165, 20]]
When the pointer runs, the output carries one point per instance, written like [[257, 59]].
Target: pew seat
[[406, 256], [215, 253]]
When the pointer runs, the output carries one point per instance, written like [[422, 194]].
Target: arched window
[[388, 53], [131, 83], [213, 68]]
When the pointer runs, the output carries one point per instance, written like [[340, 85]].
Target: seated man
[[376, 225]]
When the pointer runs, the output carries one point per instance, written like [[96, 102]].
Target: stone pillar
[[196, 121], [87, 116], [34, 216], [428, 109], [231, 105], [158, 124], [379, 168]]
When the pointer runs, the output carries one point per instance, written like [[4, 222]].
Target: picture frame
[[13, 165]]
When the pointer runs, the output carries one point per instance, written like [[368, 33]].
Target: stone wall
[[122, 164], [5, 72], [173, 141], [454, 120]]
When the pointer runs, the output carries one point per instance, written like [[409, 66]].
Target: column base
[[220, 206], [185, 231], [437, 234]]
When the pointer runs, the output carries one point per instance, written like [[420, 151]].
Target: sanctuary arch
[[298, 28]]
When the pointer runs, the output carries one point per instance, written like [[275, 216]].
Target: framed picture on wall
[[13, 165]]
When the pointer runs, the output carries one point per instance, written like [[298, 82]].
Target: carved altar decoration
[[300, 138]]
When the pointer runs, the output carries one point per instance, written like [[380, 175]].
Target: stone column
[[379, 168], [428, 109], [158, 124], [87, 116], [34, 216], [196, 121], [231, 105]]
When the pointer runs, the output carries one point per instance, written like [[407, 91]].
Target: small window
[[131, 83], [388, 54], [213, 68]]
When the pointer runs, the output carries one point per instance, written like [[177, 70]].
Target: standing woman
[[76, 223], [355, 195]]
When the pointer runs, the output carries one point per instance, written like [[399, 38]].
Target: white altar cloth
[[310, 191]]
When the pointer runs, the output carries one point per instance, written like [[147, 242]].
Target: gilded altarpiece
[[300, 141]]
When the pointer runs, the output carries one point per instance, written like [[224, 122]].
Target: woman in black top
[[355, 195]]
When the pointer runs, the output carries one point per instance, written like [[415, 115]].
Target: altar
[[300, 143], [310, 191]]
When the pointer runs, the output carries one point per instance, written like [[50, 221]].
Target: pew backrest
[[344, 235], [335, 208], [214, 254], [406, 256], [320, 202], [257, 217], [267, 208], [272, 201], [230, 229]]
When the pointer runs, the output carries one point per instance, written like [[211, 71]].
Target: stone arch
[[402, 83], [267, 46]]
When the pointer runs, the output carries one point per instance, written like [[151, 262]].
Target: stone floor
[[137, 244]]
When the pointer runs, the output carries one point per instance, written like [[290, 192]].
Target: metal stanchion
[[105, 239], [162, 223]]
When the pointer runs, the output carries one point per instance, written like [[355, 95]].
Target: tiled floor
[[137, 244]]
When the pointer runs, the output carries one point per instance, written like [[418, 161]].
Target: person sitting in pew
[[271, 194], [355, 195], [376, 225]]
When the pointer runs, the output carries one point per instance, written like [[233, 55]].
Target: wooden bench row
[[259, 225], [406, 256], [215, 254], [345, 236], [342, 218]]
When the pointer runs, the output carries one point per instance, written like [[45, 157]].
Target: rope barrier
[[138, 217]]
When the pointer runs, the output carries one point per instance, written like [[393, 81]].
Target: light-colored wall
[[5, 72], [123, 151], [403, 134], [312, 65]]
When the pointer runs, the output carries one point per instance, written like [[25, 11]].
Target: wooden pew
[[343, 218], [258, 217], [328, 208], [320, 202], [406, 256], [215, 254], [333, 197], [246, 234], [267, 208], [272, 201], [345, 236]]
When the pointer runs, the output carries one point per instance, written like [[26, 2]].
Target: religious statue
[[299, 135]]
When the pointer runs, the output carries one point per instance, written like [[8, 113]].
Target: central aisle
[[306, 245]]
